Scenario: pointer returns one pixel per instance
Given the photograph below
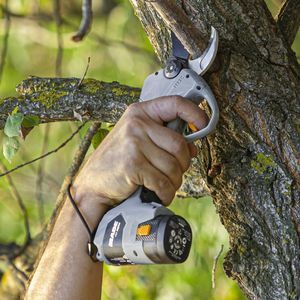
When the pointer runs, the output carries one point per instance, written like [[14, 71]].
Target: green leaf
[[108, 126], [10, 147], [99, 137], [13, 125], [30, 121], [15, 110]]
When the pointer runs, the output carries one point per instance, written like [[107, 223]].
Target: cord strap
[[91, 247]]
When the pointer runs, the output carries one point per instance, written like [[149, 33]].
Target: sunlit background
[[119, 51]]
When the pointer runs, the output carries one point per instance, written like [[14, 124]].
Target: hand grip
[[203, 91], [189, 85], [148, 196]]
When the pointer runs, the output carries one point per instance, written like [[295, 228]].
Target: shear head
[[201, 64]]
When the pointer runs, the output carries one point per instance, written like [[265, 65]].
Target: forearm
[[65, 270]]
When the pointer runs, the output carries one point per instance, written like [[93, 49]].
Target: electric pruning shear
[[140, 230]]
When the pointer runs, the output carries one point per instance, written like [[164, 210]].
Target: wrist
[[91, 206]]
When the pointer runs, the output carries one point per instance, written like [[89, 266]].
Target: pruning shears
[[140, 230], [182, 76]]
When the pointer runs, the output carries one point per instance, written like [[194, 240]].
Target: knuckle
[[132, 125], [178, 182], [179, 145], [134, 168], [168, 197], [133, 109], [174, 167], [132, 148], [163, 183], [177, 99]]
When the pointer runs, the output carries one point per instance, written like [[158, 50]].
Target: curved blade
[[201, 64], [178, 49]]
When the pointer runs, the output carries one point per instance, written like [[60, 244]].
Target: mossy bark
[[251, 163], [62, 99]]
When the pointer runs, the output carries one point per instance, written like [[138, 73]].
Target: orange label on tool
[[144, 229], [193, 127]]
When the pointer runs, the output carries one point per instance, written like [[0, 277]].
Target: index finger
[[168, 108]]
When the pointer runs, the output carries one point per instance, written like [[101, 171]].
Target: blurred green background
[[119, 51]]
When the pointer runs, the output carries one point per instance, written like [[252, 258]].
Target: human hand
[[141, 151]]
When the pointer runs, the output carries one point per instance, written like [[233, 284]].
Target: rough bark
[[251, 163], [60, 99], [288, 19]]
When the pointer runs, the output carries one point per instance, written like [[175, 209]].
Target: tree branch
[[181, 25], [55, 99], [288, 19], [43, 16], [86, 22]]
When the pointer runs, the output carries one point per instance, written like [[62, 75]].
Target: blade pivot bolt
[[172, 68]]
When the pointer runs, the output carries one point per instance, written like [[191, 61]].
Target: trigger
[[192, 127]]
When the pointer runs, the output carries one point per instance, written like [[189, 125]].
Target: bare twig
[[288, 19], [44, 155], [58, 73], [40, 178], [214, 268], [5, 37], [58, 22], [20, 201], [86, 21], [84, 74]]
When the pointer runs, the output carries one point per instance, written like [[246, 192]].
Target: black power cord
[[91, 247]]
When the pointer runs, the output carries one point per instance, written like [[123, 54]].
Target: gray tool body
[[119, 241], [140, 230]]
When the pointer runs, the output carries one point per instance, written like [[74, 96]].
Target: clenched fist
[[141, 151]]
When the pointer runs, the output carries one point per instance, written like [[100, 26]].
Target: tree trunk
[[251, 164]]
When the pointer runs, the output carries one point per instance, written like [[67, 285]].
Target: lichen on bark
[[56, 99]]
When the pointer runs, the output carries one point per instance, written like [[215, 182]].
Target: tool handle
[[187, 84], [197, 94], [148, 196]]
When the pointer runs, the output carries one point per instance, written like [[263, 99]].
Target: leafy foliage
[[10, 147], [13, 125]]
